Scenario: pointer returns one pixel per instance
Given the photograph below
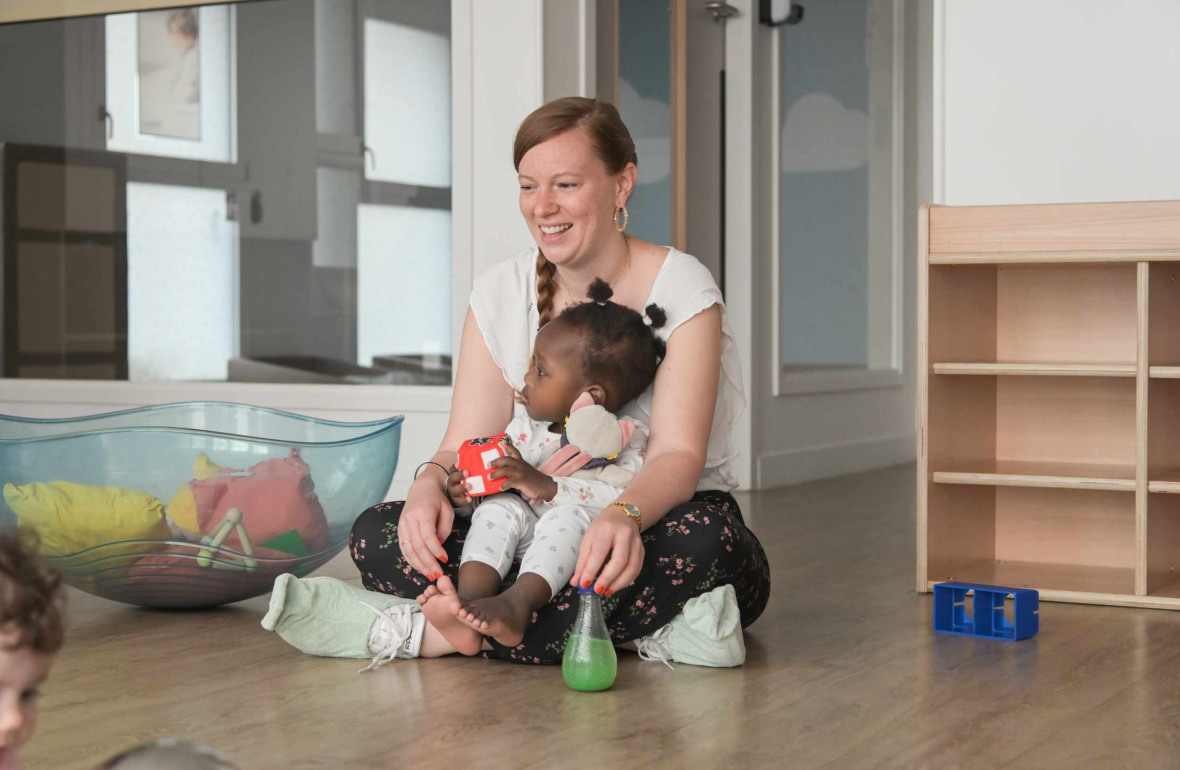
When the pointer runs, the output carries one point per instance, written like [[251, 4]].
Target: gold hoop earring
[[626, 218]]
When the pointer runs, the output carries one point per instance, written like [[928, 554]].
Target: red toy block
[[476, 456]]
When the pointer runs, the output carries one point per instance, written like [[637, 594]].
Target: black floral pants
[[696, 547]]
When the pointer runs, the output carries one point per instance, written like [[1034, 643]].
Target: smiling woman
[[567, 205], [576, 163]]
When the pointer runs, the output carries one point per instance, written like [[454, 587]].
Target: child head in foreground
[[596, 347], [31, 633]]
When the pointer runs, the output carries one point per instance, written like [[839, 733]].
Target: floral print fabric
[[696, 547]]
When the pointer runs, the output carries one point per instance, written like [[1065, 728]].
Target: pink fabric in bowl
[[274, 496]]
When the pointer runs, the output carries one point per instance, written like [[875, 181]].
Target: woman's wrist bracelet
[[631, 512], [443, 468]]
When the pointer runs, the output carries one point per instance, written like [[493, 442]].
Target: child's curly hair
[[622, 347], [30, 594]]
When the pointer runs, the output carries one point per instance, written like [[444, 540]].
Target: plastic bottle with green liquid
[[589, 663]]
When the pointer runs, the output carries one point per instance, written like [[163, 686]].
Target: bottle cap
[[589, 590]]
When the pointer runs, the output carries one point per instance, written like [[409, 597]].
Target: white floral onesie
[[545, 538]]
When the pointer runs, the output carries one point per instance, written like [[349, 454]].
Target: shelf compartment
[[1066, 427], [1038, 370], [1163, 435], [1066, 540], [1039, 314], [1163, 309], [1005, 473], [1163, 545]]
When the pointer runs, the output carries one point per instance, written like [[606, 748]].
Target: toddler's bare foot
[[503, 617], [424, 597], [440, 605]]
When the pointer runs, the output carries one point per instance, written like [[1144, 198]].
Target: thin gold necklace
[[626, 264]]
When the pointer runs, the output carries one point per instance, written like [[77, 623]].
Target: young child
[[30, 635], [598, 349]]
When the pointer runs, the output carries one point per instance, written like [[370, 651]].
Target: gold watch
[[632, 514]]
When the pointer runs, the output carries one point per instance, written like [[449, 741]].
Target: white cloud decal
[[649, 122], [821, 134]]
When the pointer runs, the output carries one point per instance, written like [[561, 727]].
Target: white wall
[[1059, 100]]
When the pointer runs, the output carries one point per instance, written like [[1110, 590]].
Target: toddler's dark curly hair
[[622, 347], [30, 594]]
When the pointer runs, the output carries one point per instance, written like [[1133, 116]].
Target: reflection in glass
[[257, 191], [407, 104], [169, 72], [398, 303], [181, 283], [169, 82]]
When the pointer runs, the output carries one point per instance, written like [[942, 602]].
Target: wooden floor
[[843, 672]]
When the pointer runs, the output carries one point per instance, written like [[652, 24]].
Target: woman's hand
[[613, 534], [424, 525], [519, 475]]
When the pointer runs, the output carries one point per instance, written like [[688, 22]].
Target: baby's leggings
[[504, 528]]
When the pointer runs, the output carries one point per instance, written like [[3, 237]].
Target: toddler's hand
[[519, 475], [457, 487]]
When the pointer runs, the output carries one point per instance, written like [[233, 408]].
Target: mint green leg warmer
[[328, 617]]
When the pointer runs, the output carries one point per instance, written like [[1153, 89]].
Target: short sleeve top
[[683, 288]]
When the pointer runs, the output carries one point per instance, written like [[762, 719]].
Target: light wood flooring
[[843, 672]]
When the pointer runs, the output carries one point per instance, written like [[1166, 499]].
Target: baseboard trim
[[795, 466]]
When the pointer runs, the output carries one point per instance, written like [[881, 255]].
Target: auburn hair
[[612, 144]]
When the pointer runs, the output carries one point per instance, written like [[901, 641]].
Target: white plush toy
[[596, 437]]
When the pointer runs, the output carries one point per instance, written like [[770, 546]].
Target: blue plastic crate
[[989, 621]]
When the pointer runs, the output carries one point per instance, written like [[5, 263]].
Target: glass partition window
[[181, 283], [839, 234], [405, 317], [255, 192], [644, 101], [407, 104]]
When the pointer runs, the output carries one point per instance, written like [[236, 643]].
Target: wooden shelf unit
[[1047, 336]]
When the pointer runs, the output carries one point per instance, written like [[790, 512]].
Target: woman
[[577, 167]]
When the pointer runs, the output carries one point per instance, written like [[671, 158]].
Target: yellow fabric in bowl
[[73, 517], [183, 508]]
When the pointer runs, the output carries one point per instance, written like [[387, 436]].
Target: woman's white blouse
[[683, 288]]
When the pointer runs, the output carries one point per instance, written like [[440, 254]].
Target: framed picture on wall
[[169, 73]]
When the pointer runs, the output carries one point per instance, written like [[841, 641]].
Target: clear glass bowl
[[152, 452]]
